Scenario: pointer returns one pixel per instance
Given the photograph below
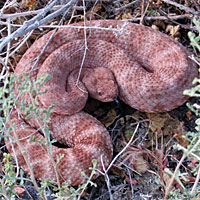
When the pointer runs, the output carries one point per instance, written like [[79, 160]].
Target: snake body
[[147, 69]]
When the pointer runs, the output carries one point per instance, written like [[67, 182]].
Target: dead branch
[[34, 12], [181, 7], [125, 6], [164, 18], [35, 23]]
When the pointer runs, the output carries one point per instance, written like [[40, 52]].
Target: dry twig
[[181, 7], [35, 23], [34, 12], [164, 18], [178, 166]]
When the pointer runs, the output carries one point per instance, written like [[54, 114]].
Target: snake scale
[[145, 68]]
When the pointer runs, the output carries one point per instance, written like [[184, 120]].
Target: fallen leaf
[[119, 171], [141, 165], [133, 157], [156, 3], [163, 123], [154, 27], [127, 16], [179, 132], [93, 11], [110, 118], [189, 114], [30, 4], [118, 17], [160, 24], [173, 30]]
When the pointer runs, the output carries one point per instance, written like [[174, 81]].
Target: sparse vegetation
[[13, 175]]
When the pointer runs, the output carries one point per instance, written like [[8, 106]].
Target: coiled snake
[[147, 70]]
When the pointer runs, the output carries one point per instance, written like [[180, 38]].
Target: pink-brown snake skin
[[147, 69]]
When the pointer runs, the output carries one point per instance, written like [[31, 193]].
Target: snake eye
[[100, 94]]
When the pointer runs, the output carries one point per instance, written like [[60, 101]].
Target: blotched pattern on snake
[[145, 68]]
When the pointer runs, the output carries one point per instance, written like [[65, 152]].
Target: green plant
[[9, 100], [193, 149], [195, 39], [9, 179]]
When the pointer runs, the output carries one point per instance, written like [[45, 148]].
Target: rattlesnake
[[147, 69]]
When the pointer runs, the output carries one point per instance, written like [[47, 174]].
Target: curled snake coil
[[147, 70]]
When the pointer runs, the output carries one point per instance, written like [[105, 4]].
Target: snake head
[[101, 84], [106, 90]]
